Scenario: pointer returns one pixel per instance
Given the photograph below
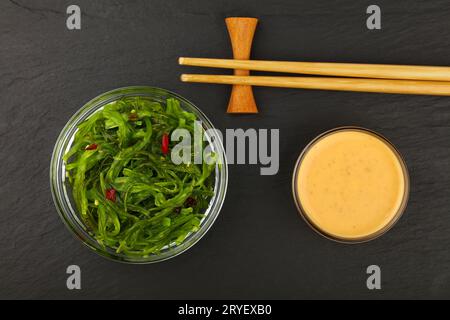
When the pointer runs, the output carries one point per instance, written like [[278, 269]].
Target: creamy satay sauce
[[350, 184]]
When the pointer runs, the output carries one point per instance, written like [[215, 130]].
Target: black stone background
[[258, 247]]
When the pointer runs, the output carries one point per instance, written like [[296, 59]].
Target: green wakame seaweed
[[156, 203]]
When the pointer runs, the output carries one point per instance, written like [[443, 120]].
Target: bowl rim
[[400, 211], [71, 219]]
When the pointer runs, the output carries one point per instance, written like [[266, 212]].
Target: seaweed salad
[[131, 196]]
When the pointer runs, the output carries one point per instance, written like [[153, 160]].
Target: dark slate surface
[[258, 248]]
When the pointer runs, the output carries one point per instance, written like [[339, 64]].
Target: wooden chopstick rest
[[241, 31]]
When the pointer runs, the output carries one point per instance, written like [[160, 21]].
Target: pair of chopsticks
[[401, 79]]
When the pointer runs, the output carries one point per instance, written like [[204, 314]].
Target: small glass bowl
[[369, 237], [61, 190]]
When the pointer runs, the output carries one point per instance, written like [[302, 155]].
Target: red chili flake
[[165, 144], [92, 146], [111, 194], [190, 202], [133, 116]]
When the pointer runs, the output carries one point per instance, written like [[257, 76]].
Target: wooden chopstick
[[383, 71], [440, 88]]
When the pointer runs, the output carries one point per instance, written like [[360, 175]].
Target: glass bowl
[[380, 231], [61, 190]]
